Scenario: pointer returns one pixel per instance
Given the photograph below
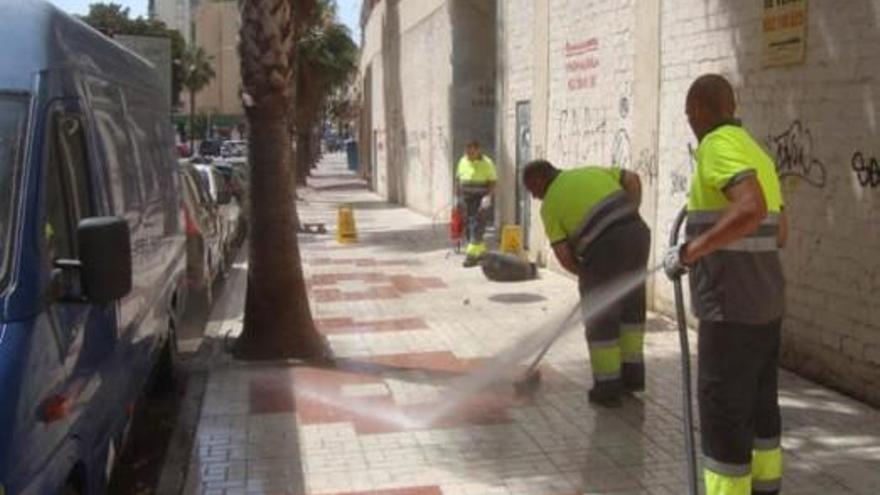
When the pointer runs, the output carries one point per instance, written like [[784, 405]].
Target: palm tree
[[326, 60], [197, 73], [278, 321]]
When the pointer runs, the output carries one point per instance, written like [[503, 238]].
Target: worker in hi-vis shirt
[[591, 218], [735, 230], [475, 183]]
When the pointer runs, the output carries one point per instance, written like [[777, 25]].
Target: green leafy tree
[[196, 73], [327, 58]]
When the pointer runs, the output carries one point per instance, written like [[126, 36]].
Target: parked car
[[228, 209], [183, 150], [234, 148], [210, 147], [237, 182], [204, 244], [93, 265]]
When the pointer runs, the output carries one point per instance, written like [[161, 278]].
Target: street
[[404, 319]]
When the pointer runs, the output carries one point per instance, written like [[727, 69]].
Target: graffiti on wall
[[645, 163], [582, 64], [867, 170], [679, 181], [793, 150], [580, 135], [620, 150]]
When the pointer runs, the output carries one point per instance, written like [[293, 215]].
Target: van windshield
[[13, 125]]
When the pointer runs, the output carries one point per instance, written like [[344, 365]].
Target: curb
[[175, 468]]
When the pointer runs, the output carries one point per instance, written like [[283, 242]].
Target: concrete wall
[[590, 74], [820, 120], [176, 14], [516, 52], [607, 81], [429, 89], [216, 31]]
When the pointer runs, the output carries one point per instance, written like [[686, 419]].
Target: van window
[[68, 191], [123, 170], [13, 126]]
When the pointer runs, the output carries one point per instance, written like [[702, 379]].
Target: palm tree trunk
[[278, 321]]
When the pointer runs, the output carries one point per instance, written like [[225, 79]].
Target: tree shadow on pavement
[[414, 240]]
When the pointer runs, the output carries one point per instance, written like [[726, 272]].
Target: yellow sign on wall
[[784, 26]]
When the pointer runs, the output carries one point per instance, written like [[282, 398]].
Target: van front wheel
[[164, 378], [70, 489]]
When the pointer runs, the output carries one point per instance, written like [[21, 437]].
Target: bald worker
[[735, 229]]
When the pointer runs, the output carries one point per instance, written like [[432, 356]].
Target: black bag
[[502, 267]]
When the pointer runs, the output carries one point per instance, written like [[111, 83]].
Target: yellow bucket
[[346, 232], [511, 240]]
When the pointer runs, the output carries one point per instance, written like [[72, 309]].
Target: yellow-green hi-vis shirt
[[581, 203], [743, 281], [474, 176]]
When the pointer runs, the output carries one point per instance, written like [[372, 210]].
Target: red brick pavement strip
[[398, 286], [415, 490], [321, 279], [316, 394], [335, 326], [361, 262]]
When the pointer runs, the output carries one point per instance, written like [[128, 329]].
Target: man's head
[[710, 102], [473, 150], [537, 176]]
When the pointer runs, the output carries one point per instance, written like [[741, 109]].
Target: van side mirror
[[105, 259]]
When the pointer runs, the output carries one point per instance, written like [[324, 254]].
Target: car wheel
[[164, 376], [70, 489], [201, 301]]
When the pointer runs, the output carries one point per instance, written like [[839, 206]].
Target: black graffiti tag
[[679, 183], [867, 170], [794, 155]]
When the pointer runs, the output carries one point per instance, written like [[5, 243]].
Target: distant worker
[[475, 183], [591, 217], [735, 229]]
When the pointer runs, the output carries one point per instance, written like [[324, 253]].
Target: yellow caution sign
[[511, 240], [346, 232]]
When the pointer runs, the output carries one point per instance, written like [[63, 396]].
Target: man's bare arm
[[565, 257], [632, 185], [746, 211]]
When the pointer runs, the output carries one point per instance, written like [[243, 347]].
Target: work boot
[[605, 396], [471, 261], [633, 375]]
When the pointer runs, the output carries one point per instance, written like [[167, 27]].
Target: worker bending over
[[591, 217]]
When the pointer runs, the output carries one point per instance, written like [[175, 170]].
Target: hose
[[687, 394]]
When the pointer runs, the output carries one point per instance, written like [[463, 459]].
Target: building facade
[[604, 82], [216, 31], [176, 14], [428, 86]]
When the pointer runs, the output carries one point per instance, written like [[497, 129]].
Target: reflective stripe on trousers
[[475, 249], [719, 484], [723, 478], [762, 477], [766, 466], [605, 359]]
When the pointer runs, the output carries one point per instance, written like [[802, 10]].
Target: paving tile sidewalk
[[404, 319]]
